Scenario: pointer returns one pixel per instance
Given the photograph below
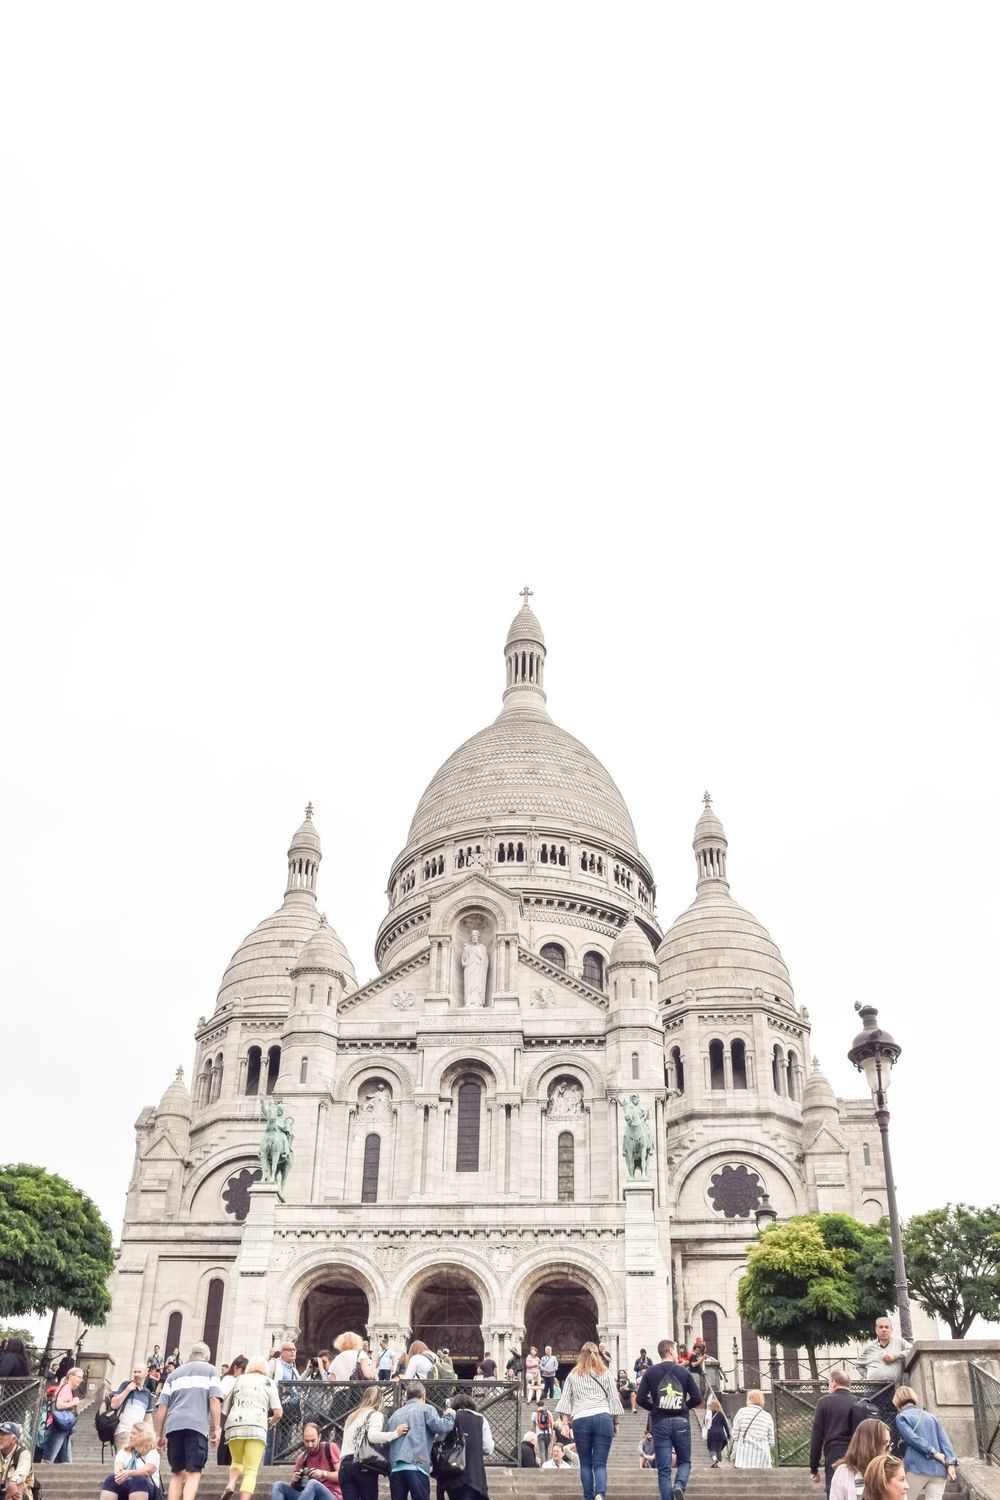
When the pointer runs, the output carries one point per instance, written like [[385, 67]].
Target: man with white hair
[[882, 1357], [188, 1420]]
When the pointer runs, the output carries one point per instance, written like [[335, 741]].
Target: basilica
[[462, 1126]]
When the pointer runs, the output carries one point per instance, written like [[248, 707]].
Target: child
[[716, 1430]]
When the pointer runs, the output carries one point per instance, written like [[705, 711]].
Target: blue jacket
[[425, 1425], [922, 1435]]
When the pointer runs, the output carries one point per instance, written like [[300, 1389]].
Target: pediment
[[543, 986], [162, 1149], [826, 1139]]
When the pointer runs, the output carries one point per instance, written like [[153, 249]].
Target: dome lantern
[[304, 855], [525, 656], [710, 845]]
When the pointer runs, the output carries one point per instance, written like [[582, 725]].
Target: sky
[[325, 329]]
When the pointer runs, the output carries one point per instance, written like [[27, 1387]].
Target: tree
[[55, 1249], [817, 1279], [953, 1263]]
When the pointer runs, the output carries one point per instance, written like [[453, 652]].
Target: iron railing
[[329, 1402], [18, 1399], [795, 1403], [986, 1410]]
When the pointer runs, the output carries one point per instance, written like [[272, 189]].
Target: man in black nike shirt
[[670, 1391]]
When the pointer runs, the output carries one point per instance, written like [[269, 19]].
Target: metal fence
[[986, 1409], [329, 1402], [795, 1404], [18, 1399]]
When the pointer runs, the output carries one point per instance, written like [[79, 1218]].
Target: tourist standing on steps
[[410, 1455], [133, 1403], [753, 1434], [670, 1391], [716, 1430], [642, 1364], [63, 1418], [882, 1358], [590, 1400], [871, 1439], [549, 1368], [252, 1408], [836, 1416], [541, 1421], [478, 1435], [189, 1420], [532, 1375], [367, 1421], [928, 1456], [386, 1358]]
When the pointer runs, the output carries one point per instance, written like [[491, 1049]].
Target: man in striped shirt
[[188, 1419]]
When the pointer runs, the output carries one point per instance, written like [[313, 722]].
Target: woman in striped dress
[[753, 1434], [590, 1400]]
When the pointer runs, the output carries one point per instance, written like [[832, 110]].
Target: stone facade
[[458, 1169]]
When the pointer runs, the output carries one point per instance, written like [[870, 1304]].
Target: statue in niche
[[475, 962], [276, 1148], [377, 1104], [637, 1146], [566, 1101]]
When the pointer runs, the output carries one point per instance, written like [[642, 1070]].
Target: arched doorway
[[447, 1312], [562, 1313], [337, 1304]]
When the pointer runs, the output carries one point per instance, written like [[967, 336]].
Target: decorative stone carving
[[735, 1191], [236, 1193], [475, 962], [376, 1105], [404, 999], [565, 1101], [542, 999]]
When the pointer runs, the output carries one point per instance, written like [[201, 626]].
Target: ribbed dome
[[525, 627], [718, 947], [325, 951], [818, 1093], [305, 838], [260, 967], [631, 946], [523, 766], [176, 1099]]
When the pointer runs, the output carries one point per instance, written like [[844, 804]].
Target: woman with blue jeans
[[59, 1438], [590, 1400]]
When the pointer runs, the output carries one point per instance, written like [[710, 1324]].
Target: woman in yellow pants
[[252, 1406]]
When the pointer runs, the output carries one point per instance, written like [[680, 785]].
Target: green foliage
[[55, 1249], [817, 1279], [953, 1263], [9, 1331]]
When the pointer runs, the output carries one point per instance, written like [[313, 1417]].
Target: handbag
[[371, 1457], [448, 1455], [64, 1420]]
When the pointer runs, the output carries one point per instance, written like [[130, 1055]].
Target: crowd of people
[[183, 1409]]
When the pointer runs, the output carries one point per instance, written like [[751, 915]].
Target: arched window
[[253, 1070], [867, 1152], [635, 1065], [303, 1069], [217, 1077], [710, 1333], [675, 1058], [555, 954], [593, 969], [566, 1149], [273, 1068], [213, 1316], [173, 1333], [716, 1065], [793, 1082], [739, 1052], [470, 1102], [369, 1175], [777, 1065]]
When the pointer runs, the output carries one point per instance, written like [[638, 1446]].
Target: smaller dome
[[818, 1093], [325, 951], [631, 946], [305, 836], [525, 627], [709, 825], [176, 1099]]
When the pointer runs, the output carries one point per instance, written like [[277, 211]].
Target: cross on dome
[[309, 809], [707, 799], [527, 594]]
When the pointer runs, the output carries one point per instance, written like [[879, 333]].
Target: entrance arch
[[333, 1306], [447, 1312], [562, 1313]]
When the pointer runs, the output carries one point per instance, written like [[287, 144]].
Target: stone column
[[646, 1277], [248, 1286]]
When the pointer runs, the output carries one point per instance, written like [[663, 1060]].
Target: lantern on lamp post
[[874, 1054]]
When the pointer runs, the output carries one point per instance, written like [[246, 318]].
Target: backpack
[[106, 1421]]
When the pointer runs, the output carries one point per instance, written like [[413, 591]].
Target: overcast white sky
[[324, 329]]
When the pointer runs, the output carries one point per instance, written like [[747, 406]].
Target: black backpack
[[106, 1421]]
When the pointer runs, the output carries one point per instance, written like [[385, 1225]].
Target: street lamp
[[874, 1053]]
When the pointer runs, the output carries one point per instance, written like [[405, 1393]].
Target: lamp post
[[874, 1053], [766, 1214]]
